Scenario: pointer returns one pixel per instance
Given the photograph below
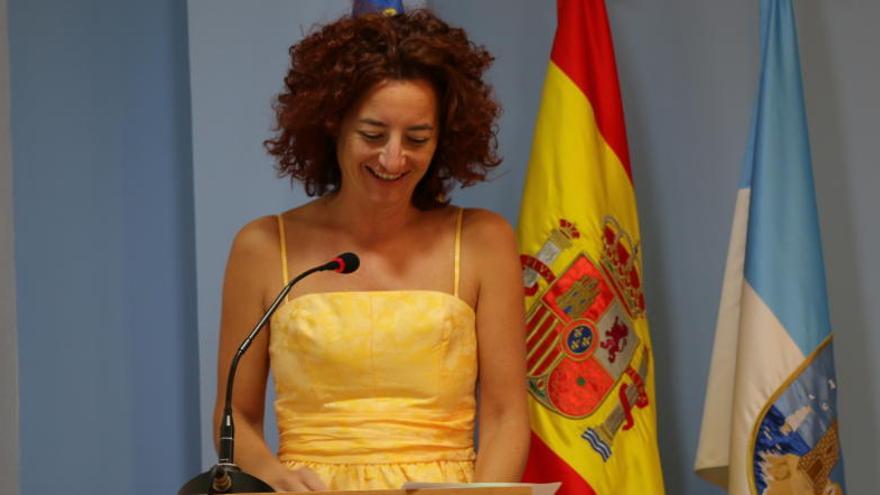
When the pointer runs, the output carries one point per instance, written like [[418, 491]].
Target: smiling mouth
[[385, 177]]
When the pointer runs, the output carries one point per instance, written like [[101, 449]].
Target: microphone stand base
[[238, 482]]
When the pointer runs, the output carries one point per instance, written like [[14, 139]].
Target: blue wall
[[104, 191], [104, 245]]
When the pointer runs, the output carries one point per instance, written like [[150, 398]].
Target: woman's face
[[387, 140]]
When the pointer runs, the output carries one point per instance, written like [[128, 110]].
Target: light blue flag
[[770, 418]]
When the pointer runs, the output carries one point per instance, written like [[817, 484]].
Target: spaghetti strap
[[282, 243], [457, 269]]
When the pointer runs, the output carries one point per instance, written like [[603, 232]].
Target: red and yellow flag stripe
[[579, 172]]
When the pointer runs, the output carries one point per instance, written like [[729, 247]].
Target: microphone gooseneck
[[222, 478], [344, 263]]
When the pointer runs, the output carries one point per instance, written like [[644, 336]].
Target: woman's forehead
[[406, 100]]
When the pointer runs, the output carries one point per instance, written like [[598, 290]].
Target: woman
[[376, 371]]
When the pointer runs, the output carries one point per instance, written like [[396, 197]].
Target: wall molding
[[9, 448]]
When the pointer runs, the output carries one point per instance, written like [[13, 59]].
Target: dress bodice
[[375, 388]]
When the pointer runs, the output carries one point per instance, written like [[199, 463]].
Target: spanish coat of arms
[[580, 336]]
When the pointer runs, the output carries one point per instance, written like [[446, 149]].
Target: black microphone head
[[347, 262]]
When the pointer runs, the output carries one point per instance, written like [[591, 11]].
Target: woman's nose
[[391, 158]]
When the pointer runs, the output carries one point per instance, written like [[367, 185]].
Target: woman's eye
[[370, 136], [418, 140]]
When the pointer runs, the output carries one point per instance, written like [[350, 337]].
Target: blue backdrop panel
[[104, 246]]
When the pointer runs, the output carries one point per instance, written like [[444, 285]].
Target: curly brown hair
[[334, 66]]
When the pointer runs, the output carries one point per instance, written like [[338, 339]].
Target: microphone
[[226, 476], [344, 263]]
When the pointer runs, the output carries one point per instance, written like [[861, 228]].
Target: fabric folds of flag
[[590, 372], [770, 417]]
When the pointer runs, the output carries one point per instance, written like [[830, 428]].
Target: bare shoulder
[[490, 246], [490, 251], [257, 238], [487, 229], [304, 219], [254, 265]]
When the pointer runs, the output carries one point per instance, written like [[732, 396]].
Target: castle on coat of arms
[[582, 345]]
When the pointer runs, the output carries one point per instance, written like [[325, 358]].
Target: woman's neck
[[368, 223]]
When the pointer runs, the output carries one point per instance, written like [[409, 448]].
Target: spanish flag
[[590, 372]]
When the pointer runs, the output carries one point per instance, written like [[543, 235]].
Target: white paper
[[537, 488]]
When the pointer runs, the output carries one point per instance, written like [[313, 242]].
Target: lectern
[[493, 490]]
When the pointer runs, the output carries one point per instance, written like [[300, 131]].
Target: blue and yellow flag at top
[[387, 7], [770, 418]]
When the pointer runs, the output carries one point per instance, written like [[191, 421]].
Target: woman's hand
[[296, 480]]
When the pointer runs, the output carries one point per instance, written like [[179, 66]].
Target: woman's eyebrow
[[379, 123], [372, 122]]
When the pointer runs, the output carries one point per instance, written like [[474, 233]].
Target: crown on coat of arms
[[569, 229], [620, 258]]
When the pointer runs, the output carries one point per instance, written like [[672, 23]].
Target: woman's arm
[[503, 413], [253, 267]]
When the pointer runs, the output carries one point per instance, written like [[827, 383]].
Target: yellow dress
[[376, 388]]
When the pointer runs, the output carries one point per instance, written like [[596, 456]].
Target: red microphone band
[[340, 264]]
